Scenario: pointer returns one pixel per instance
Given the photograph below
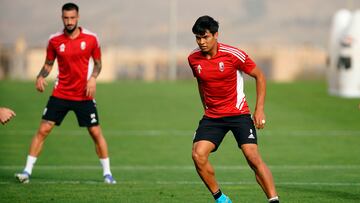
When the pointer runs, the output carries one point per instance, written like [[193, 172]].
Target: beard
[[69, 30]]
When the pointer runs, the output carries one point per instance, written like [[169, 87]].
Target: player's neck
[[212, 52], [73, 34]]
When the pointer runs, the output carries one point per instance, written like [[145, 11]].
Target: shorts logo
[[199, 68], [93, 118], [221, 66], [45, 110], [83, 45], [62, 48], [251, 136]]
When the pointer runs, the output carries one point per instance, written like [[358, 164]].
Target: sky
[[146, 23]]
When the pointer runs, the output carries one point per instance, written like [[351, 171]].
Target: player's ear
[[216, 35]]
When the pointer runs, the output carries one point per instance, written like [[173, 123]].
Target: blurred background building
[[150, 40]]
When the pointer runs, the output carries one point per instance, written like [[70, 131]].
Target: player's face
[[207, 42], [70, 20]]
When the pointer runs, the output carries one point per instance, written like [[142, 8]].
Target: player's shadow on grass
[[321, 191]]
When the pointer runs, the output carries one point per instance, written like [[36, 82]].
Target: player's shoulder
[[194, 53], [56, 35], [229, 48], [233, 51], [89, 33]]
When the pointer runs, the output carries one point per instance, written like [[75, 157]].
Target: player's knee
[[95, 131], [44, 131], [198, 157]]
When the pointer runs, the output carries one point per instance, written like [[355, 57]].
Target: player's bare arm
[[201, 93], [97, 68], [259, 115], [44, 72], [91, 84]]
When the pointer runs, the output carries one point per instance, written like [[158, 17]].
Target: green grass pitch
[[311, 144]]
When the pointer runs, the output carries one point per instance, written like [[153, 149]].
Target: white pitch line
[[184, 167], [70, 182], [110, 132], [73, 182], [254, 183], [191, 132]]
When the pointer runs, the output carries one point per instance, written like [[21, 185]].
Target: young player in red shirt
[[74, 88], [219, 70]]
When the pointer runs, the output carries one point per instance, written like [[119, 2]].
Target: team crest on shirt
[[199, 68], [83, 45], [221, 66], [62, 47]]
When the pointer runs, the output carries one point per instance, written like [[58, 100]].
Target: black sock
[[274, 200], [217, 194]]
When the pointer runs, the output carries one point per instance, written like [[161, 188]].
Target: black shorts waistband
[[228, 117]]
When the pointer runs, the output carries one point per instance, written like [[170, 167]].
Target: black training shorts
[[215, 129], [85, 111]]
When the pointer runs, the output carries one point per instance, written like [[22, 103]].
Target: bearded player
[[74, 88]]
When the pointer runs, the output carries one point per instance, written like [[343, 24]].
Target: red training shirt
[[221, 80], [73, 57]]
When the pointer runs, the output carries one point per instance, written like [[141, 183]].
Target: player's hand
[[91, 87], [259, 119], [40, 84], [6, 115]]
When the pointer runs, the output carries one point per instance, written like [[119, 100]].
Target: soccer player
[[219, 70], [6, 115], [74, 88]]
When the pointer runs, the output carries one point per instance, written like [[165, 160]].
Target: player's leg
[[207, 138], [35, 149], [54, 113], [245, 134], [99, 141], [262, 172], [200, 155], [40, 136], [102, 152], [87, 116]]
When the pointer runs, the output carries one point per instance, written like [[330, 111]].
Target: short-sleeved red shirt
[[75, 67], [221, 80]]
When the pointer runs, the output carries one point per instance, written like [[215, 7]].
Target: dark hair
[[204, 23], [69, 7]]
